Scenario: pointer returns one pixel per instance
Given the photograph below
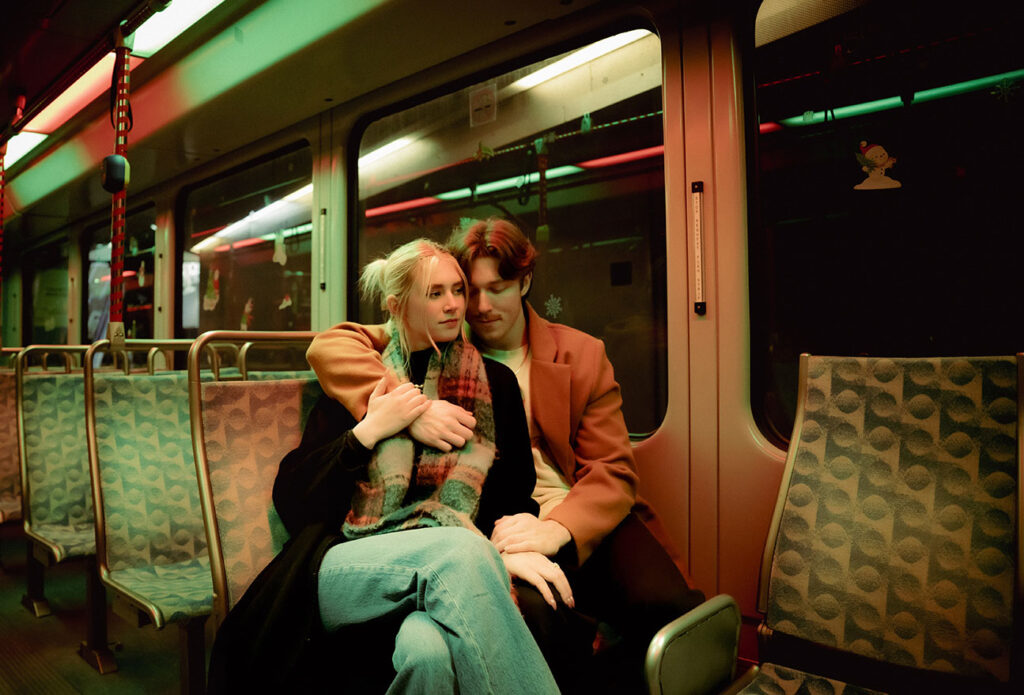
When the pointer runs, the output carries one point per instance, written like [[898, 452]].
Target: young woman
[[389, 551]]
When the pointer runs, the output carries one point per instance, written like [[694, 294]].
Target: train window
[[888, 171], [246, 251], [140, 234], [570, 148], [46, 275]]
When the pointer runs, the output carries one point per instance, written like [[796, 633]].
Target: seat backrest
[[150, 513], [10, 460], [247, 427], [55, 458], [896, 533]]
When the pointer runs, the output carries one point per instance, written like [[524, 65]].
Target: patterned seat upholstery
[[155, 543], [776, 680], [10, 459], [897, 537], [247, 428], [60, 513]]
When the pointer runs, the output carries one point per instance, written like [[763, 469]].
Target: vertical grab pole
[[122, 72]]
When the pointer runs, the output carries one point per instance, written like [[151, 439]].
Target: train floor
[[39, 655]]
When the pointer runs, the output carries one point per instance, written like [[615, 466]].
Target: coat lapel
[[550, 389]]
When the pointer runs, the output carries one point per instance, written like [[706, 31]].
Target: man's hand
[[538, 570], [522, 533], [443, 425], [390, 410]]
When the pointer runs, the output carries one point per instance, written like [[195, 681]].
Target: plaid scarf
[[404, 491]]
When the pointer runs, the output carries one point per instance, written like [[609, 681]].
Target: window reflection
[[571, 150], [246, 258], [140, 235], [888, 170], [47, 279]]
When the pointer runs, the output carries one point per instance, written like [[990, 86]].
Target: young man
[[618, 572]]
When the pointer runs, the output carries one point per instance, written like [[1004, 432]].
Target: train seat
[[241, 429], [57, 501], [150, 540], [10, 459], [892, 557], [247, 428]]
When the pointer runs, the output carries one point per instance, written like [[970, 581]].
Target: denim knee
[[422, 659], [420, 644], [465, 551]]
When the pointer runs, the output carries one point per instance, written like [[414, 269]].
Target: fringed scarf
[[403, 491]]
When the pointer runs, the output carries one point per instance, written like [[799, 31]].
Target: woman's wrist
[[366, 434]]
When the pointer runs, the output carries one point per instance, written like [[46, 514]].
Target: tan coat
[[587, 440]]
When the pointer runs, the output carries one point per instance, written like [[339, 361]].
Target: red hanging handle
[[115, 329]]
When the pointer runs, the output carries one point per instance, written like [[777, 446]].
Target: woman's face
[[437, 304]]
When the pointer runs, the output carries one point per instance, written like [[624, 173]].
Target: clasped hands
[[524, 541]]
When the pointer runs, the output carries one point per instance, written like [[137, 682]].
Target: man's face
[[495, 311]]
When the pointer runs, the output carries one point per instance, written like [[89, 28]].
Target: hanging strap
[[115, 329]]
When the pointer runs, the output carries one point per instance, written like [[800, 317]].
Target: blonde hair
[[395, 275]]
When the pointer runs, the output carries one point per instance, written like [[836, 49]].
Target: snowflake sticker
[[1005, 90], [553, 306]]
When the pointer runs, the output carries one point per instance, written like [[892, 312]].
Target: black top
[[322, 470]]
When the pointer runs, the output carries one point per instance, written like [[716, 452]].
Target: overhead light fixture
[[166, 25], [285, 212], [82, 91], [384, 151], [20, 145], [578, 58]]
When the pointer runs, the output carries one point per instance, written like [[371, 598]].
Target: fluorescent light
[[580, 57], [20, 145], [163, 27], [513, 182], [94, 82], [384, 151], [814, 117], [301, 193], [284, 212]]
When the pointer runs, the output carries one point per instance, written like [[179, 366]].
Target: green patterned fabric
[[897, 537], [57, 464], [281, 375], [10, 460], [179, 590], [156, 541], [248, 428], [776, 680]]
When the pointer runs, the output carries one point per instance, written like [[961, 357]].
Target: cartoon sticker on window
[[874, 160]]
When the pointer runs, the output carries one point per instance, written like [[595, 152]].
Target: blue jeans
[[457, 579]]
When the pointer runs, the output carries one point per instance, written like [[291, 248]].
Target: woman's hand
[[390, 410], [538, 570]]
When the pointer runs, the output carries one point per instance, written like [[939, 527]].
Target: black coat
[[273, 639]]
